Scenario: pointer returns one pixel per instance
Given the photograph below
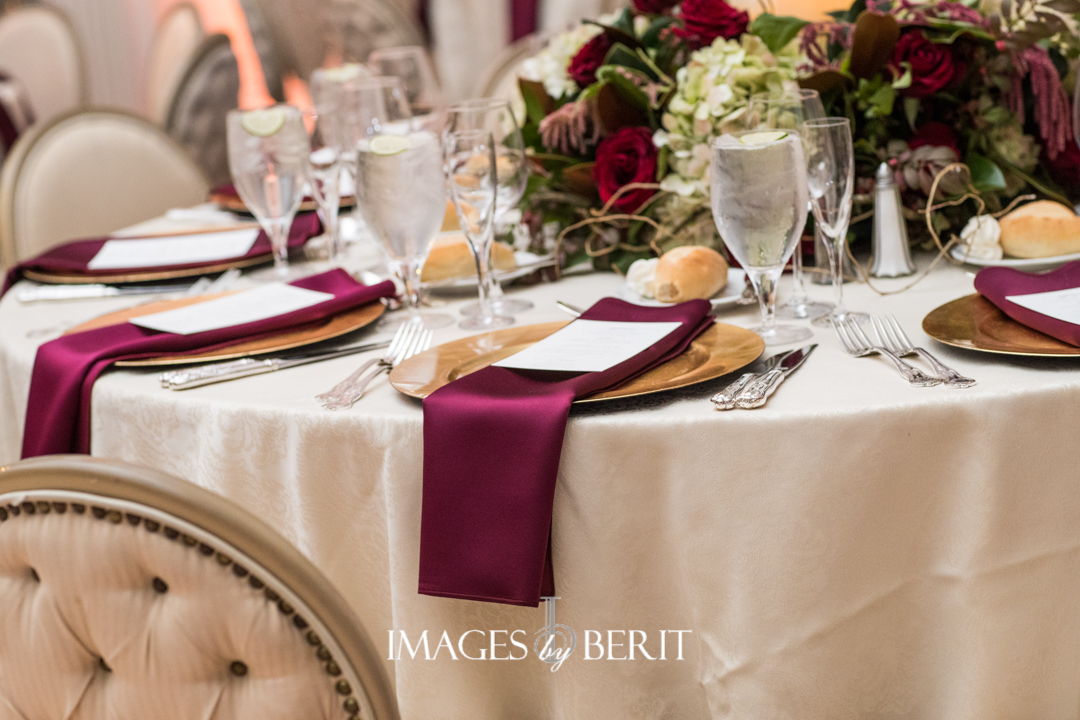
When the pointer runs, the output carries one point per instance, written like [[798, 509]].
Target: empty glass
[[830, 175], [471, 162], [324, 178], [759, 203], [412, 65], [495, 116], [787, 112], [268, 159]]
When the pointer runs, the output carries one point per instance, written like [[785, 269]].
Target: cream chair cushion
[[178, 37], [39, 47], [86, 175], [111, 607]]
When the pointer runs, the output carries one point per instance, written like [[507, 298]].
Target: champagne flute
[[325, 172], [412, 65], [401, 191], [512, 170], [759, 203], [268, 159], [471, 162], [830, 173], [787, 112]]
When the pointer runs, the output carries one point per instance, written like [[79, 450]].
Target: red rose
[[1064, 169], [628, 156], [706, 20], [588, 60], [937, 134], [654, 7], [932, 65]]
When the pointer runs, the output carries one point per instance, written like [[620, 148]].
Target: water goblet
[[412, 65], [324, 177]]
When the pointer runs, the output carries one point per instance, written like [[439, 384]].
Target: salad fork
[[410, 339], [857, 344], [891, 335]]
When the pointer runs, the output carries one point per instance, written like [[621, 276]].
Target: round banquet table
[[856, 548]]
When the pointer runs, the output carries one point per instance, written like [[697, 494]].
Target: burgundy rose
[[937, 134], [588, 60], [932, 65], [628, 156], [654, 7], [706, 20], [1064, 169]]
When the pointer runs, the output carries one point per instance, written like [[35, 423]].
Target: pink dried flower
[[570, 129], [1051, 101]]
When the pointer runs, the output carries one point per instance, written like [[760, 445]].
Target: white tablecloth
[[857, 548]]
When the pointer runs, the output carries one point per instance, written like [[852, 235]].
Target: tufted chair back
[[175, 43], [128, 593], [89, 173], [38, 46]]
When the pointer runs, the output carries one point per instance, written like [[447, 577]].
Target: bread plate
[[959, 253], [736, 283]]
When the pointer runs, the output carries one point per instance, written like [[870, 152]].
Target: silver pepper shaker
[[892, 255]]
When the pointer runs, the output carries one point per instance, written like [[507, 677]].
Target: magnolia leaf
[[538, 104], [620, 54], [614, 75], [911, 111], [551, 161], [579, 178], [1066, 6], [872, 46], [651, 37], [825, 81], [1044, 188], [616, 111], [777, 30], [881, 102], [985, 174]]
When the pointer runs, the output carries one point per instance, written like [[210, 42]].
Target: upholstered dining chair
[[500, 79], [178, 37], [38, 45], [126, 593], [89, 173]]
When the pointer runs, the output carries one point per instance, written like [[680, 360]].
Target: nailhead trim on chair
[[237, 668]]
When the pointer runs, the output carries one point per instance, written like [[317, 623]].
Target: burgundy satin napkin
[[58, 414], [73, 257], [997, 283], [492, 442]]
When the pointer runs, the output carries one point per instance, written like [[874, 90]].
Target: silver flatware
[[725, 399], [410, 339], [48, 293], [892, 336], [757, 393], [194, 377], [857, 344], [569, 309]]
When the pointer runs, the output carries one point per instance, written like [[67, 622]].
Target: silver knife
[[758, 392], [245, 367], [725, 399], [83, 292]]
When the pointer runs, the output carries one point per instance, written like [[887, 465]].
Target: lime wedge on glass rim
[[390, 144], [763, 138], [264, 122]]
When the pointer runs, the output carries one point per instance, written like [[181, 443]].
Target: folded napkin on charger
[[58, 413], [492, 442], [997, 284], [73, 257]]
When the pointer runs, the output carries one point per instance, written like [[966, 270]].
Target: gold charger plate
[[232, 203], [719, 350], [974, 323], [340, 324]]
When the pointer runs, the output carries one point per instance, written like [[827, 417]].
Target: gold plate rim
[[232, 203], [957, 340], [150, 276], [754, 347]]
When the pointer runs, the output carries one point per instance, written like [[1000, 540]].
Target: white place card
[[1058, 304], [589, 346], [175, 250], [250, 306]]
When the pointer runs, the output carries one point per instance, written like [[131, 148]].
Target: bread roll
[[450, 219], [689, 272], [450, 258], [1040, 229]]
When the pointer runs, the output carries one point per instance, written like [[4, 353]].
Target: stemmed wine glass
[[400, 186], [268, 159], [412, 65], [495, 116], [471, 162], [323, 129], [787, 112], [830, 174], [759, 203]]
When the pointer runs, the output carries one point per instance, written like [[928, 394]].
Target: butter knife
[[725, 399], [757, 393], [83, 292], [245, 367]]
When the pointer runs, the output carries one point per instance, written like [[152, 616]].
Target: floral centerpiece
[[620, 112]]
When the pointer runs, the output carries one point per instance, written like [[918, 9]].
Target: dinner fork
[[891, 335], [410, 339], [857, 344]]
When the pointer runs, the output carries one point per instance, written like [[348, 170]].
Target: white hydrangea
[[549, 66]]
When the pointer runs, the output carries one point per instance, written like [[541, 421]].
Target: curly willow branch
[[604, 216]]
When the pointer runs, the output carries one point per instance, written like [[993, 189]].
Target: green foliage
[[777, 30], [985, 174]]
